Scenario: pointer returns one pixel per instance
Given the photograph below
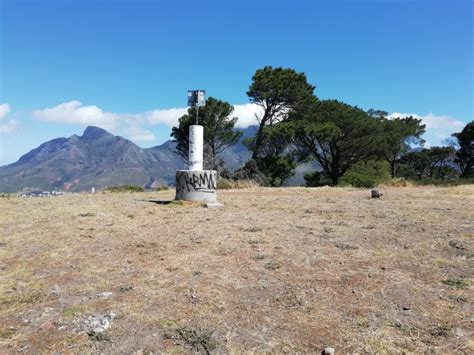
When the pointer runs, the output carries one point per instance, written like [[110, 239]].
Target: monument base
[[196, 185]]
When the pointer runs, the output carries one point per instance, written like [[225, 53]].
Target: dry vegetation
[[280, 270]]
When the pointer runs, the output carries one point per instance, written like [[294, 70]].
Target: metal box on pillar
[[196, 184]]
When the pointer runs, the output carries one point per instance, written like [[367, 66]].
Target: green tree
[[396, 136], [278, 91], [336, 135], [366, 174], [219, 133], [277, 163], [429, 163], [465, 150]]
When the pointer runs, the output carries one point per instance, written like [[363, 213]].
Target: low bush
[[226, 184], [316, 178], [125, 188], [438, 182], [398, 182], [366, 174]]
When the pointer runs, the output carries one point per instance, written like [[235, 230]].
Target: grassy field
[[280, 270]]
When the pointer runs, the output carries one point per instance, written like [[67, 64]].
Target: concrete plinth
[[196, 185]]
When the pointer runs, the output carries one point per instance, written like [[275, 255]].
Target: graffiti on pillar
[[201, 181]]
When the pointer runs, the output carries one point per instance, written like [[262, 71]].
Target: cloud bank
[[73, 112], [139, 126], [7, 126], [438, 128], [4, 110], [133, 126]]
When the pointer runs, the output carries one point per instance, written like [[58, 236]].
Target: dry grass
[[281, 270], [226, 184]]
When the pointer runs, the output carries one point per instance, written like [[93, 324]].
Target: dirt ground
[[276, 270]]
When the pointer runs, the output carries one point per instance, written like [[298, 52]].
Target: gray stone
[[213, 205], [376, 194], [99, 323], [328, 351], [196, 185]]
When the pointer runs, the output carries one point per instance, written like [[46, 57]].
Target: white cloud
[[138, 134], [4, 110], [167, 117], [246, 114], [438, 128], [8, 126], [73, 112], [138, 126]]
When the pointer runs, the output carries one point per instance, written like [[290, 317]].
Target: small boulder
[[376, 194], [328, 351]]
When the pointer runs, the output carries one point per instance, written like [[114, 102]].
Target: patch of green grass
[[74, 310], [125, 188], [19, 299], [7, 332], [253, 229], [440, 331], [456, 282], [199, 340], [272, 265], [87, 214]]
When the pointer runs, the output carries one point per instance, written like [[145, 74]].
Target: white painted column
[[196, 140]]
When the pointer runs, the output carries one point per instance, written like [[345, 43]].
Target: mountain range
[[99, 159]]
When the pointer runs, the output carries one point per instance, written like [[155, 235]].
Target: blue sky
[[126, 65]]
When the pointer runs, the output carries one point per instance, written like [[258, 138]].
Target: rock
[[48, 326], [213, 205], [99, 324], [376, 194], [99, 336], [328, 351], [105, 295], [125, 288]]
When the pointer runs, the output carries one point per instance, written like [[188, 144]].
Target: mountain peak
[[93, 132]]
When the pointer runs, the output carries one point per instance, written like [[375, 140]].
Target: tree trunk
[[334, 178], [392, 168], [258, 138]]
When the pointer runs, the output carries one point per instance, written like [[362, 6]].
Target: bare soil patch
[[281, 270]]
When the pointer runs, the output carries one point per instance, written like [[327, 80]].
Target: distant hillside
[[99, 159]]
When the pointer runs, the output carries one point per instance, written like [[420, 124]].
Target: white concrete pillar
[[196, 141]]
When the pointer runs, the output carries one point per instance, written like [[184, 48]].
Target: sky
[[126, 65]]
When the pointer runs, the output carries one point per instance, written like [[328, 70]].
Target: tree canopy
[[465, 152], [278, 91], [428, 163], [396, 136], [336, 135], [348, 144]]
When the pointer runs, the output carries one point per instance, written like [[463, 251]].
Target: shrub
[[277, 168], [226, 184], [398, 182], [316, 178], [250, 171], [366, 174], [438, 182], [125, 188], [161, 188]]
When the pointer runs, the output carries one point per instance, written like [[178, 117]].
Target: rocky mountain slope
[[99, 159]]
